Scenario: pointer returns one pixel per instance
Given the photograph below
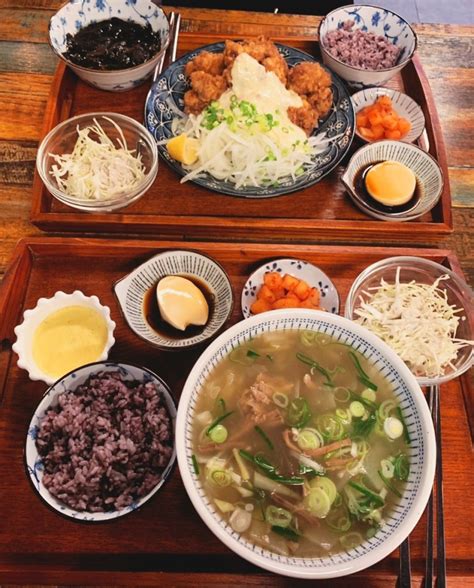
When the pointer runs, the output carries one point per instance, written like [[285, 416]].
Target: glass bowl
[[62, 139], [423, 271]]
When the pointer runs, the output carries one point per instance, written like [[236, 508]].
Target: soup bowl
[[422, 450]]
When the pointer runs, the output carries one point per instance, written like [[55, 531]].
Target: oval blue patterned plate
[[303, 270], [70, 382], [165, 99], [422, 450]]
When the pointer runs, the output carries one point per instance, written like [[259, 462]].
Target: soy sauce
[[158, 324], [112, 44], [362, 192]]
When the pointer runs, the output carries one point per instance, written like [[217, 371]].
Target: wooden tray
[[166, 542], [170, 209]]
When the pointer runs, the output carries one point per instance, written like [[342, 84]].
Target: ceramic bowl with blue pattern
[[422, 449], [77, 14], [132, 289], [303, 270], [34, 464], [370, 19]]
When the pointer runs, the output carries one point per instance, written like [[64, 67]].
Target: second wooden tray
[[185, 211]]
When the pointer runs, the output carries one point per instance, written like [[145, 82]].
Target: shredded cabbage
[[97, 169], [417, 321]]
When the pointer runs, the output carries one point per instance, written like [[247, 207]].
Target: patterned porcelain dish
[[371, 19], [404, 106], [77, 14], [302, 270], [131, 290], [63, 138], [417, 417], [165, 101], [424, 166], [423, 271], [71, 381], [44, 307]]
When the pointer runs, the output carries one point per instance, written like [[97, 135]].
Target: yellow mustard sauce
[[68, 338]]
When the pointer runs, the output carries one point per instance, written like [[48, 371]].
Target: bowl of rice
[[366, 45], [101, 441]]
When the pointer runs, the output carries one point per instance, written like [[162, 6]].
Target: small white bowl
[[44, 307], [371, 19], [303, 270], [76, 15], [131, 290], [404, 106], [424, 166], [34, 462], [417, 418]]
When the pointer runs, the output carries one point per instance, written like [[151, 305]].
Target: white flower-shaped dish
[[44, 307], [131, 290], [71, 381], [417, 418], [403, 105], [298, 268]]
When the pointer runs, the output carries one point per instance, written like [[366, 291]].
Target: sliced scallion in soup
[[300, 444]]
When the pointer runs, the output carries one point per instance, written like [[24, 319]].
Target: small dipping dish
[[429, 179], [137, 297], [63, 333]]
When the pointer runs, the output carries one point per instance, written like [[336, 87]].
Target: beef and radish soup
[[300, 444]]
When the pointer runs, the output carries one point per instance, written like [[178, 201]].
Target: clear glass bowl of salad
[[98, 162], [423, 310]]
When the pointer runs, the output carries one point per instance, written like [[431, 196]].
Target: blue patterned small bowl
[[77, 14], [71, 381], [131, 290], [415, 411], [303, 270], [372, 19]]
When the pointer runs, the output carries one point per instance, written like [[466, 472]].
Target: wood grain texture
[[166, 535]]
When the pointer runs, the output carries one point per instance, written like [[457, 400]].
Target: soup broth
[[300, 444]]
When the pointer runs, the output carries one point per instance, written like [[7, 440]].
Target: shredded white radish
[[417, 321], [97, 169]]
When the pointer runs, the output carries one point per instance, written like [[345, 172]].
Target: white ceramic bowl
[[372, 19], [302, 270], [44, 307], [403, 105], [416, 414], [424, 166], [77, 14], [423, 271], [71, 381], [131, 290]]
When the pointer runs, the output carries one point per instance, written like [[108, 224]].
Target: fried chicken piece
[[211, 63], [304, 116], [278, 66], [262, 50], [321, 101], [204, 89]]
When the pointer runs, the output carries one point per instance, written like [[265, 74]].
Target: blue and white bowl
[[426, 169], [303, 270], [404, 106], [77, 14], [131, 290], [415, 411], [371, 19], [71, 381]]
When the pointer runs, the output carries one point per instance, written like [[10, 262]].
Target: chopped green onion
[[326, 485], [341, 394], [286, 532], [357, 409], [363, 428], [221, 403], [278, 516], [363, 377], [393, 428], [270, 470], [369, 395], [218, 421], [375, 498], [389, 485], [351, 540], [298, 413], [317, 502], [308, 439], [195, 464], [280, 399], [331, 427], [401, 467], [314, 364], [387, 468], [221, 478], [253, 354], [264, 436], [218, 434]]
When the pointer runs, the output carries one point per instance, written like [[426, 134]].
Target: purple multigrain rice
[[105, 444], [361, 49]]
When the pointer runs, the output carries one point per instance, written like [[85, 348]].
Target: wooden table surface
[[27, 66]]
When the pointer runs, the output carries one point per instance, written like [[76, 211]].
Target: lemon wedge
[[183, 149]]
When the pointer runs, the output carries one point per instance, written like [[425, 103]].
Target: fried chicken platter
[[253, 118]]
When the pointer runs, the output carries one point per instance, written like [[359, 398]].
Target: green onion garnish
[[264, 436], [286, 532], [217, 421], [195, 464], [363, 377]]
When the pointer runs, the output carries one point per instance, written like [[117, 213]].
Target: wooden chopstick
[[171, 46]]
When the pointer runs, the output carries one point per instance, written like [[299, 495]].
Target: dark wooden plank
[[27, 57]]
